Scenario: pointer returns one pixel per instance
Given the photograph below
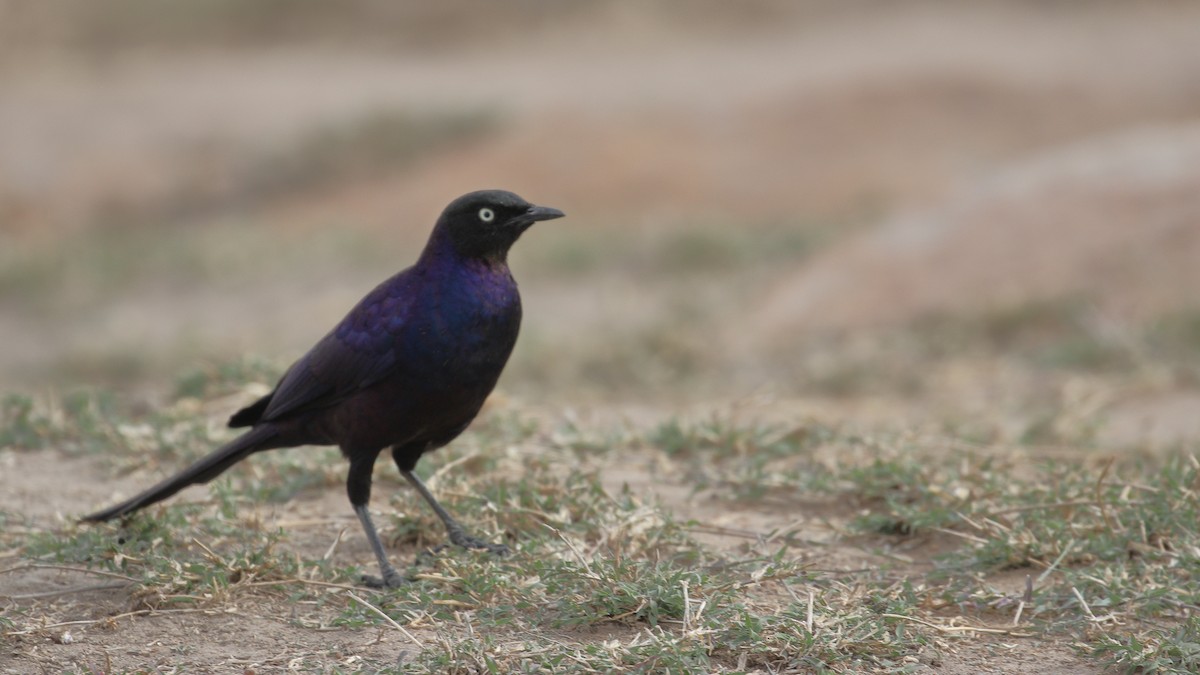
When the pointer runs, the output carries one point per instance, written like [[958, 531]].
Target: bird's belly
[[381, 419], [435, 396]]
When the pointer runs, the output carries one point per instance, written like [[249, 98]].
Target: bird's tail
[[262, 437]]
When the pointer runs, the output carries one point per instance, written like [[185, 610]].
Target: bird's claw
[[391, 579], [460, 538]]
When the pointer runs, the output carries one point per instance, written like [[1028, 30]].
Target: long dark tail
[[204, 470]]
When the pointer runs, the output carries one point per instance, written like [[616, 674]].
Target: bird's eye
[[487, 215]]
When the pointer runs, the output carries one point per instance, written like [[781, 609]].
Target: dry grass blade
[[1099, 491], [575, 551], [958, 629], [447, 467], [208, 552], [960, 535], [808, 617], [69, 591], [390, 621], [305, 582], [109, 619], [1055, 505], [333, 547], [1088, 609], [687, 607], [68, 568], [1054, 565]]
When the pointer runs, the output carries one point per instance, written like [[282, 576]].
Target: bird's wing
[[359, 352]]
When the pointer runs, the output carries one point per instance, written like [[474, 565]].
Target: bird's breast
[[470, 325]]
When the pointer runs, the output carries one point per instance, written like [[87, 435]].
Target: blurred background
[[979, 215]]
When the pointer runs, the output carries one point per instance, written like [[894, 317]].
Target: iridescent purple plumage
[[408, 367]]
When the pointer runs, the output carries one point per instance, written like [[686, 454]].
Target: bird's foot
[[460, 538], [391, 579]]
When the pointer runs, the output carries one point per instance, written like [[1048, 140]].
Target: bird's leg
[[390, 577], [358, 486], [458, 536]]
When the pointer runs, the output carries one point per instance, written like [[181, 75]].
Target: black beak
[[536, 213]]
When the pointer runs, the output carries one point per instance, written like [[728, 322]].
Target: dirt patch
[[1011, 657], [205, 640], [28, 478], [1158, 419], [1116, 220]]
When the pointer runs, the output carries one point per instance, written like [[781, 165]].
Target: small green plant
[[1156, 651]]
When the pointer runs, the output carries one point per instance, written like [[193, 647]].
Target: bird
[[408, 368]]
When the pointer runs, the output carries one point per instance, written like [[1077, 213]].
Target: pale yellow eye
[[487, 215]]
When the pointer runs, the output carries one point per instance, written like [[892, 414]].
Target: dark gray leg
[[358, 487], [458, 536], [391, 578]]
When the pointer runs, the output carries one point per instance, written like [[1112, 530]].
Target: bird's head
[[486, 223]]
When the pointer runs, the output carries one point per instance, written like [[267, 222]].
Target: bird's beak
[[536, 213]]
